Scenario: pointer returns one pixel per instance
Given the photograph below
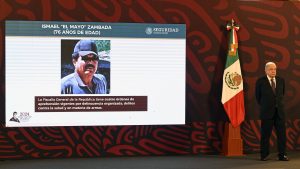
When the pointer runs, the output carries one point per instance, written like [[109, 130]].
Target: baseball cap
[[85, 47]]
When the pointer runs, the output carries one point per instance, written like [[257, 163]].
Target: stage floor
[[250, 161]]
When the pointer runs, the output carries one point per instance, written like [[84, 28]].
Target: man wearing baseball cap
[[84, 80]]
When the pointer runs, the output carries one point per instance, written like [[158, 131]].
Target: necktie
[[273, 85]]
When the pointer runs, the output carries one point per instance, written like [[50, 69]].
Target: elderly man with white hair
[[269, 92]]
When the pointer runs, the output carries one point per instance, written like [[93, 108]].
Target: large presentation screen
[[91, 73]]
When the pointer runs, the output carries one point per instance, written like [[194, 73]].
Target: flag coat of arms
[[232, 91]]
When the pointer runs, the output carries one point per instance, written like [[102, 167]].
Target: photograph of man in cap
[[84, 80]]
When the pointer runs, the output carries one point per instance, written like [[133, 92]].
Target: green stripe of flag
[[231, 58]]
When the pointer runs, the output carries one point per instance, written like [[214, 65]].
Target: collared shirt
[[270, 80], [15, 119], [72, 84]]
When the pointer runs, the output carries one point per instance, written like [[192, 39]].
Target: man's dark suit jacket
[[268, 100]]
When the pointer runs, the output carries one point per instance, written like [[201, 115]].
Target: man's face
[[86, 65], [271, 70]]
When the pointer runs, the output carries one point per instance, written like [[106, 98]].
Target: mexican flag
[[232, 92]]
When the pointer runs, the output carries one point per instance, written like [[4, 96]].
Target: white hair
[[268, 64]]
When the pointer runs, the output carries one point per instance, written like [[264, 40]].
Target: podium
[[232, 142]]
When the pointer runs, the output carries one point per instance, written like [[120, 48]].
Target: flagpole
[[233, 97], [232, 142]]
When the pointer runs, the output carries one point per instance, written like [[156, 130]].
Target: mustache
[[89, 66]]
